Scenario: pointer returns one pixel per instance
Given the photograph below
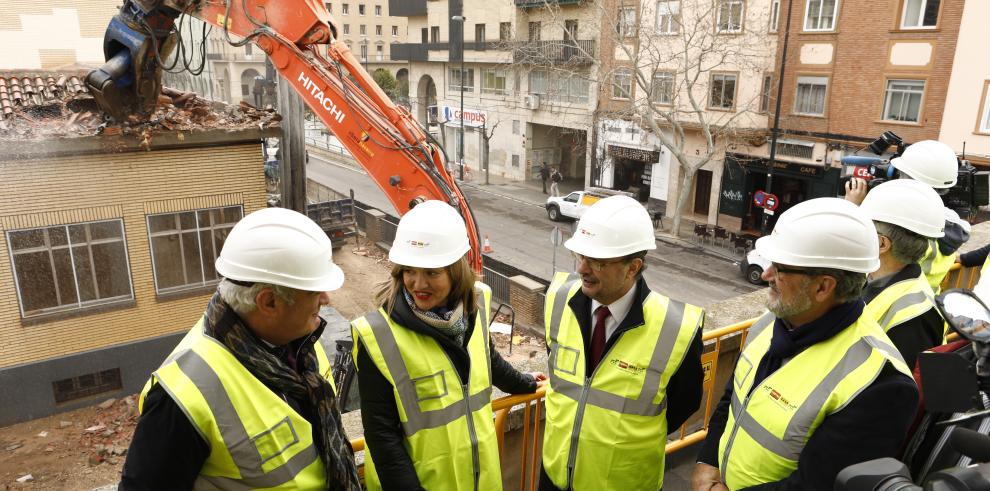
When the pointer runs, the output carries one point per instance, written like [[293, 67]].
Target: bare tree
[[689, 72], [486, 137]]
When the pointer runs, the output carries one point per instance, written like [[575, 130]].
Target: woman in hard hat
[[426, 365]]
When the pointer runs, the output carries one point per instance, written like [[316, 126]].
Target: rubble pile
[[53, 451], [37, 108]]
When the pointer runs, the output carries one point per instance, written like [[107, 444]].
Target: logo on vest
[[779, 398], [627, 367]]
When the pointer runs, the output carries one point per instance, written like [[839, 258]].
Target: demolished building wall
[[107, 238]]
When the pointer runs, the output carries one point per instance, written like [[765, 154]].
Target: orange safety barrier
[[529, 451]]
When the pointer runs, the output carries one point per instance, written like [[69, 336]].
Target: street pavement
[[511, 214]]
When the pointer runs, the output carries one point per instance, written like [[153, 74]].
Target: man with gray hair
[[817, 385], [908, 215], [246, 400]]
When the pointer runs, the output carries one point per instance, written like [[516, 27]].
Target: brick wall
[[861, 65], [525, 296], [125, 186]]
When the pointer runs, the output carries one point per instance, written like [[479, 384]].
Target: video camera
[[971, 189], [953, 383]]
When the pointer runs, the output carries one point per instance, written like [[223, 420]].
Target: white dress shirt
[[617, 312]]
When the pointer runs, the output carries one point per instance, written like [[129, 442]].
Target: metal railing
[[573, 51], [327, 145], [715, 341], [498, 282]]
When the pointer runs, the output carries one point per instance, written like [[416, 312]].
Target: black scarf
[[787, 342], [304, 384]]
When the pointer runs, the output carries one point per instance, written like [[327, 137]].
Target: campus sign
[[452, 115]]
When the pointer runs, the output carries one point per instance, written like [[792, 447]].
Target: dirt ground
[[85, 449]]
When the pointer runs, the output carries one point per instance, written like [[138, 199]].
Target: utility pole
[[460, 147], [776, 114], [292, 149], [484, 151]]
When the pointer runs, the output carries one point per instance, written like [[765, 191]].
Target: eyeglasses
[[785, 270], [596, 265]]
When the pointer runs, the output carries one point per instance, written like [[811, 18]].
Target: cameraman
[[817, 386], [907, 215], [935, 164]]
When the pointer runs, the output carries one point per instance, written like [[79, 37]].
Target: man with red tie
[[625, 362]]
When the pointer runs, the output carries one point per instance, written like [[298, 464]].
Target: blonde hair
[[462, 280]]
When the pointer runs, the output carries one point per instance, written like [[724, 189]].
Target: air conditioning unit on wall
[[532, 101]]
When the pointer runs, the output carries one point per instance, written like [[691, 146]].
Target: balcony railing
[[420, 51], [577, 52], [729, 338]]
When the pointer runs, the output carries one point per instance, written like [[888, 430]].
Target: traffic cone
[[487, 249]]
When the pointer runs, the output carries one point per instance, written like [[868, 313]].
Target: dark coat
[[685, 385], [873, 425], [382, 427]]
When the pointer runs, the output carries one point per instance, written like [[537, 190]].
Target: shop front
[[792, 183]]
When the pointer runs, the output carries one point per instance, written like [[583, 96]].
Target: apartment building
[[369, 31], [966, 118], [569, 79], [233, 74], [855, 70], [527, 83], [691, 67]]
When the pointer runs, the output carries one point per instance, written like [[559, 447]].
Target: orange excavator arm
[[384, 138]]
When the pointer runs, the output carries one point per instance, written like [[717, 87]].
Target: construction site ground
[[85, 449]]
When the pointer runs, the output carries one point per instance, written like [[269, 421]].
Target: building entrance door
[[702, 191]]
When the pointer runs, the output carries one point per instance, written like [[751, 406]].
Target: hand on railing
[[539, 377]]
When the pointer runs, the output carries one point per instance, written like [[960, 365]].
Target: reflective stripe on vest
[[440, 414], [649, 354], [767, 430], [901, 302], [935, 265], [256, 439]]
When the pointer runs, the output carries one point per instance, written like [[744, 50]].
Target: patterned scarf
[[306, 385], [448, 322]]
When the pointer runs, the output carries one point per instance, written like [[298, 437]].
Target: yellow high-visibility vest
[[608, 429], [256, 439], [901, 302], [935, 265], [769, 425], [449, 431]]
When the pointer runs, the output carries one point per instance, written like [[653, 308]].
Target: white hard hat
[[431, 235], [281, 247], [823, 233], [909, 204], [931, 162], [613, 227]]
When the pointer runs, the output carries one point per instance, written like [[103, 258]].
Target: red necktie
[[598, 336]]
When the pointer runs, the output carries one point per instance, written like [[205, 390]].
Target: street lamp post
[[460, 146]]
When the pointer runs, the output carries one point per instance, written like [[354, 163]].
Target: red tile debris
[[57, 105]]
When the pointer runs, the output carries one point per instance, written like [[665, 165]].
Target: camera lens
[[896, 483]]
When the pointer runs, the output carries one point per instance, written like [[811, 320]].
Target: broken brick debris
[[54, 105]]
